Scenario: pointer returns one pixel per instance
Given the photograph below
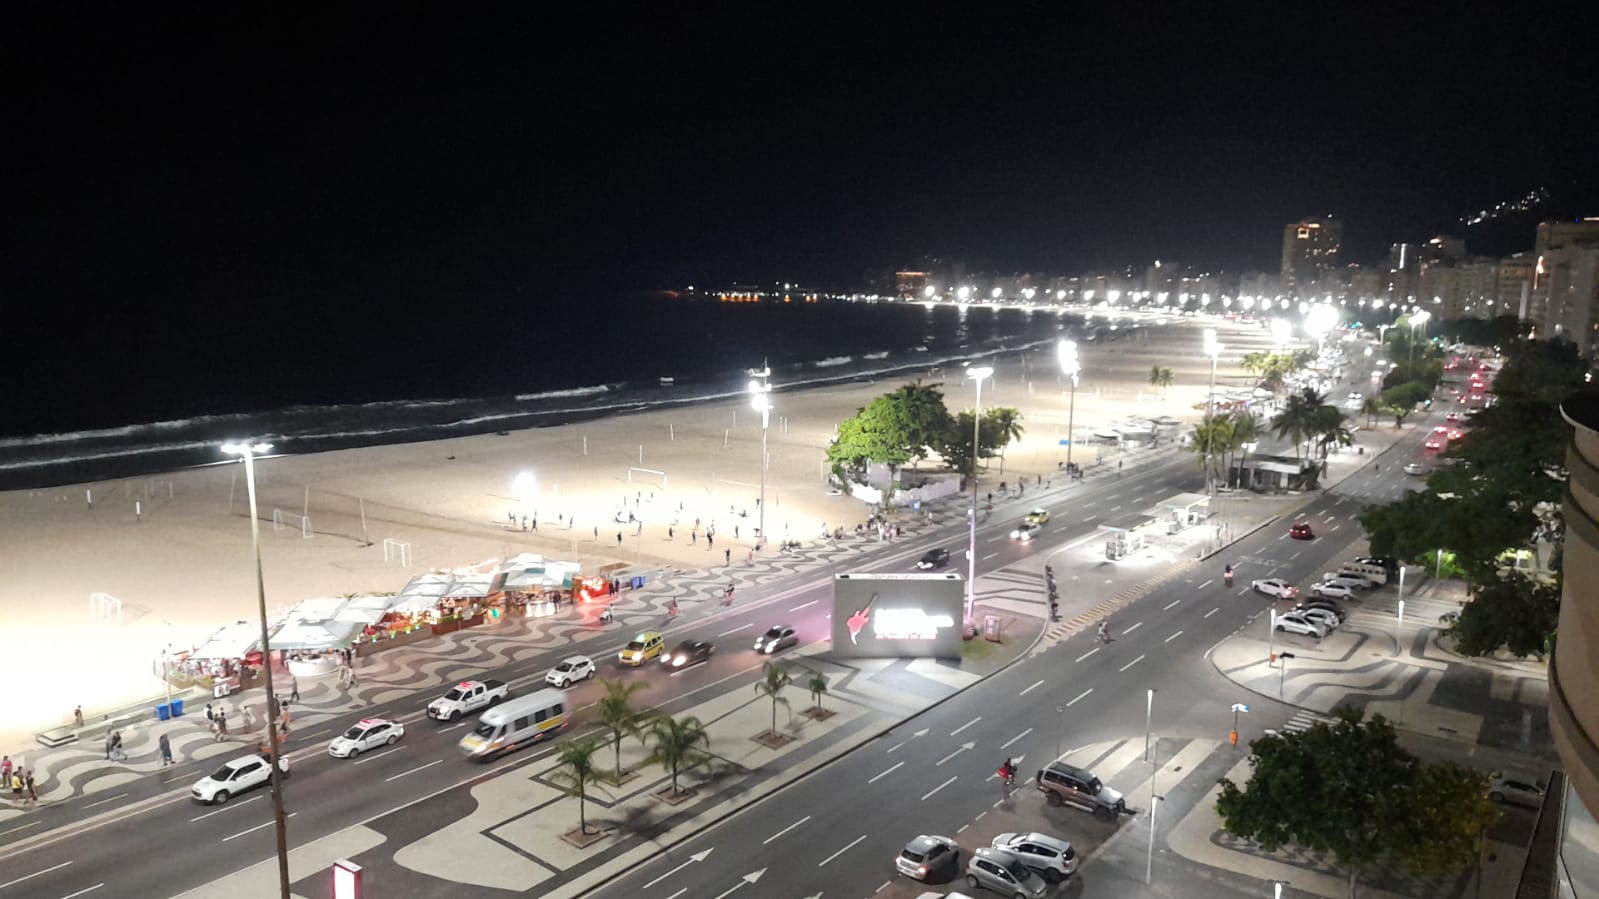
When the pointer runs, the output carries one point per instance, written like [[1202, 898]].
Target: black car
[[689, 652], [935, 558]]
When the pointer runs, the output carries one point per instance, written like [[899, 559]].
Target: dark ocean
[[398, 385]]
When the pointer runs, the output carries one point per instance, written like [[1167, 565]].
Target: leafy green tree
[[1300, 417], [777, 680], [1006, 424], [1401, 401], [618, 716], [1351, 790], [1371, 407], [818, 687], [676, 745], [578, 769], [956, 448], [1511, 611], [904, 426]]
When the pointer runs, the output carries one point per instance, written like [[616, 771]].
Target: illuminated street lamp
[[524, 487], [977, 374], [1070, 367], [1419, 318], [1319, 319], [280, 823], [1281, 330], [760, 398]]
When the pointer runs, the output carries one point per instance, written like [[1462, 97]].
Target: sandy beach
[[182, 566]]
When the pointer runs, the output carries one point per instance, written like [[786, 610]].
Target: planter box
[[395, 641], [446, 627]]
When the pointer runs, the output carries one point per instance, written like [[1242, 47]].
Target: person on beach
[[727, 557], [693, 536], [596, 533], [77, 717], [710, 540], [618, 538]]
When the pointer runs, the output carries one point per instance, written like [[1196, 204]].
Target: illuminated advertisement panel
[[897, 615]]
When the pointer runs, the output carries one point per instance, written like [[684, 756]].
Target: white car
[[1054, 859], [235, 777], [1274, 586], [1326, 619], [1295, 623], [1413, 468], [1026, 532], [1333, 590], [1356, 396], [571, 669], [1348, 579], [366, 734]]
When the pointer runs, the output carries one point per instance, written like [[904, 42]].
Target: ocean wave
[[562, 394], [831, 361]]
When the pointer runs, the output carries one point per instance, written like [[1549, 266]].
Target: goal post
[[282, 519], [646, 476]]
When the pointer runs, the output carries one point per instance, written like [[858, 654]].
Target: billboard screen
[[898, 615]]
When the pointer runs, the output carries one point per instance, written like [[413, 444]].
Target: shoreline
[[184, 566]]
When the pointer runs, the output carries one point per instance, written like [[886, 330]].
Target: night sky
[[182, 179]]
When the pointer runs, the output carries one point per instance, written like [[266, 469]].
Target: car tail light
[[921, 870]]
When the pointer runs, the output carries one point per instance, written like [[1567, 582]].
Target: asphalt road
[[839, 830], [164, 843]]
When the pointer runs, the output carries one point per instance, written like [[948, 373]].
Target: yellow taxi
[[641, 649], [1039, 515]]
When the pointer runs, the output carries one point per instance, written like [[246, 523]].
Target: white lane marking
[[966, 725], [1282, 536], [1031, 688], [1006, 744], [1089, 518], [1167, 606], [840, 852], [33, 875], [962, 829], [1174, 636], [1079, 696], [786, 829], [1295, 556], [989, 556], [81, 892], [1088, 653], [223, 809], [1115, 508], [997, 538], [937, 788], [1133, 628], [389, 750], [1213, 611], [317, 733], [1206, 584], [104, 801], [804, 605], [258, 827], [414, 770], [1335, 528], [894, 747], [881, 887], [880, 776], [680, 892], [737, 629], [1132, 663], [456, 726], [21, 827]]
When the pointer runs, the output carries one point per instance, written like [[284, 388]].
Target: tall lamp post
[[977, 374], [1213, 350], [760, 398], [1070, 368], [1418, 318], [279, 821]]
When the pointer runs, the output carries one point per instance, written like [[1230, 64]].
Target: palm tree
[[817, 685], [777, 679], [1007, 426], [677, 744], [1297, 420], [1210, 438], [618, 716], [1248, 428], [1154, 376], [1371, 408], [578, 770], [1330, 430]]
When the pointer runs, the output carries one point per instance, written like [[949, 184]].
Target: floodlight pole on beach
[[760, 398], [1213, 350], [279, 821], [976, 374], [1070, 367]]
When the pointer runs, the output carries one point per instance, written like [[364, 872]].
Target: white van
[[517, 722], [1375, 573]]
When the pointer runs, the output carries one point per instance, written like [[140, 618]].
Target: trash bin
[[162, 713], [177, 708]]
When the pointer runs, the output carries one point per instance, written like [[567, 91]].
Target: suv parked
[[1004, 873], [1064, 784]]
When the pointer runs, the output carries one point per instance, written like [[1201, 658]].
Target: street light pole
[[762, 402], [1069, 366], [977, 374], [1282, 673], [279, 820], [1213, 350], [1149, 712]]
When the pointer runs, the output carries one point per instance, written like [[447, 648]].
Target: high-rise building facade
[[1310, 250], [1574, 669]]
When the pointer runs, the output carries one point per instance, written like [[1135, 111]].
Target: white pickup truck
[[468, 696]]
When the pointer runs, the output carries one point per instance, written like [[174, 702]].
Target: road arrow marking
[[964, 747], [696, 857], [746, 881]]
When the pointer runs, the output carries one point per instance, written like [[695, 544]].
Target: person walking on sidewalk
[[249, 719], [77, 717], [166, 751], [33, 792], [294, 692], [5, 769]]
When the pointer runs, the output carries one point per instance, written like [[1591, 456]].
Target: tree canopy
[[1351, 790], [912, 423]]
